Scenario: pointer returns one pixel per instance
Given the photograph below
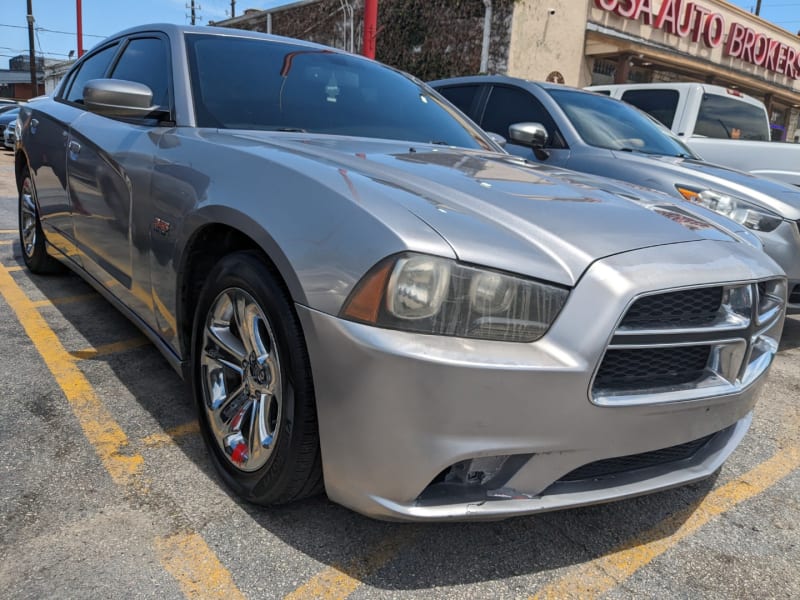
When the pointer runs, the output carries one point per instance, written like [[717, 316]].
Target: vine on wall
[[442, 38], [431, 39]]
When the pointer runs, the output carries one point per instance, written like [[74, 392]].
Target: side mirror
[[533, 135], [118, 98], [497, 138]]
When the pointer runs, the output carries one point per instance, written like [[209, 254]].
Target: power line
[[41, 52], [39, 44], [102, 37], [72, 33]]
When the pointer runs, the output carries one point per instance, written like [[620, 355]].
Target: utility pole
[[758, 7], [31, 52], [233, 8], [370, 28], [79, 15], [193, 12]]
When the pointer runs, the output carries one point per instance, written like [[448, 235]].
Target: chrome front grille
[[632, 369], [691, 343], [683, 308]]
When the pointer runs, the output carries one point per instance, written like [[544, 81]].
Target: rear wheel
[[252, 384], [31, 236]]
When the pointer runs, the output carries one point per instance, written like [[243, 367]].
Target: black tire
[[31, 236], [292, 467]]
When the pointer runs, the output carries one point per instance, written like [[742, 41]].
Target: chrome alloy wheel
[[241, 379], [27, 218]]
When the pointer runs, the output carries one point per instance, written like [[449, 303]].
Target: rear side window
[[509, 105], [727, 118], [94, 67], [661, 104], [462, 96], [146, 60]]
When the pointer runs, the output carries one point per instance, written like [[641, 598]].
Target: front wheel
[[31, 236], [252, 384]]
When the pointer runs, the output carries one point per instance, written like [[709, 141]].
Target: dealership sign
[[690, 20]]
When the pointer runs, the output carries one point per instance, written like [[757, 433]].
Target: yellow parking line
[[603, 574], [14, 269], [99, 427], [187, 557], [170, 435], [112, 348], [65, 300], [4, 231], [339, 582], [6, 242]]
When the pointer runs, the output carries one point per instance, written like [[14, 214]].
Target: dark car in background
[[592, 133]]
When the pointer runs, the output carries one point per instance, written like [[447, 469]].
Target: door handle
[[74, 147]]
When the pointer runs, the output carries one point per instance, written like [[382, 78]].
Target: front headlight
[[741, 211], [434, 295]]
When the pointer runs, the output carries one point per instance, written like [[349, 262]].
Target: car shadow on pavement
[[416, 556], [389, 556]]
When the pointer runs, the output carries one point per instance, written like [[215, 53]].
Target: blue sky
[[785, 13], [104, 17], [101, 18]]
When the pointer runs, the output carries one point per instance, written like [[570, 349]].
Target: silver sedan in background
[[9, 135], [8, 121], [595, 134], [367, 294]]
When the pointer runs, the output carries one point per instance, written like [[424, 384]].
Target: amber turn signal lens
[[365, 301], [690, 195]]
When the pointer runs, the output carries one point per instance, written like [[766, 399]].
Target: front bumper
[[396, 410]]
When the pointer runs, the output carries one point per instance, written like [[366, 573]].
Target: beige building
[[584, 42]]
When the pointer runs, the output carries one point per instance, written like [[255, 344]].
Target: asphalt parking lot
[[106, 491]]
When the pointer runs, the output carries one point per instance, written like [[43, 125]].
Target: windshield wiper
[[639, 151]]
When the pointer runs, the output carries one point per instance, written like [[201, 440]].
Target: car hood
[[778, 197], [6, 119], [497, 210]]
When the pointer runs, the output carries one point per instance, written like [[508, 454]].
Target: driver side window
[[509, 105], [146, 60], [93, 67]]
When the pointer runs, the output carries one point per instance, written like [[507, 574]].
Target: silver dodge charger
[[369, 297]]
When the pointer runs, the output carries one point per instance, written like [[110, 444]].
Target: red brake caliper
[[240, 453]]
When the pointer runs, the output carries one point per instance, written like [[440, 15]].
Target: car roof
[[174, 29], [505, 79], [707, 88]]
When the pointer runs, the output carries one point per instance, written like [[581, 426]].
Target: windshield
[[728, 118], [612, 124], [245, 83]]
